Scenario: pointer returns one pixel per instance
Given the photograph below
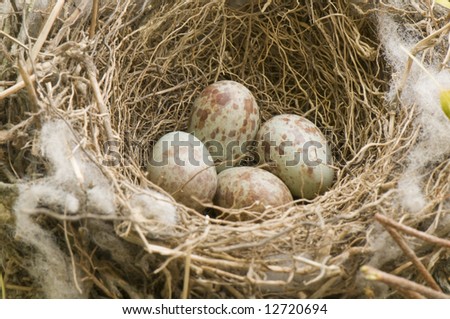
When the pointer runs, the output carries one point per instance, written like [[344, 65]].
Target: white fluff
[[72, 172], [100, 199], [420, 89], [152, 205], [410, 193], [49, 264], [42, 194], [73, 185]]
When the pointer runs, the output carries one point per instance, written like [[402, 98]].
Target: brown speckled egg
[[225, 116], [183, 167], [252, 188], [298, 154]]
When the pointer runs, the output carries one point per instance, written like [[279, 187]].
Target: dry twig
[[16, 87], [413, 232], [94, 18], [45, 31], [374, 274], [412, 256]]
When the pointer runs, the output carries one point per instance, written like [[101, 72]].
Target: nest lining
[[135, 79]]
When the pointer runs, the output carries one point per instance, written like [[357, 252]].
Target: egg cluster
[[202, 166]]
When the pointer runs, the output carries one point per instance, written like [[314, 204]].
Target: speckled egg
[[182, 166], [225, 117], [298, 153], [252, 188]]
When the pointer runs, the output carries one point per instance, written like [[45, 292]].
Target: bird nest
[[87, 89]]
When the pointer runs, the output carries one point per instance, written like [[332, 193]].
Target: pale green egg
[[182, 166], [298, 153]]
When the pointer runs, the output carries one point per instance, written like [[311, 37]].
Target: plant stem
[[372, 273]]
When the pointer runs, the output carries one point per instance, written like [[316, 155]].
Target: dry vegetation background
[[87, 87]]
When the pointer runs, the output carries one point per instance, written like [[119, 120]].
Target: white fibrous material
[[72, 172], [49, 265], [420, 90], [74, 185], [411, 196], [48, 195], [100, 198], [383, 246], [151, 205]]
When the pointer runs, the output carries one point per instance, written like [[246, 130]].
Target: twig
[[222, 274], [35, 50], [7, 83], [15, 88], [411, 294], [421, 45], [14, 6], [411, 231], [321, 292], [7, 135], [165, 251], [325, 271], [13, 39], [72, 258], [97, 282], [91, 71], [29, 85], [254, 245], [77, 12], [57, 216], [411, 255], [2, 285], [187, 273], [94, 19], [19, 288], [168, 284], [45, 30], [372, 273], [234, 292]]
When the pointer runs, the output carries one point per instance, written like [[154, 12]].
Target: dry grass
[[135, 79]]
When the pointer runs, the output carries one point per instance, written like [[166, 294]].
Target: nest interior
[[135, 77]]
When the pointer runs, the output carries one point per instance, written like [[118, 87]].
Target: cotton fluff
[[72, 171], [100, 198], [151, 205], [431, 147], [45, 194], [383, 246], [49, 265], [421, 90], [73, 186]]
